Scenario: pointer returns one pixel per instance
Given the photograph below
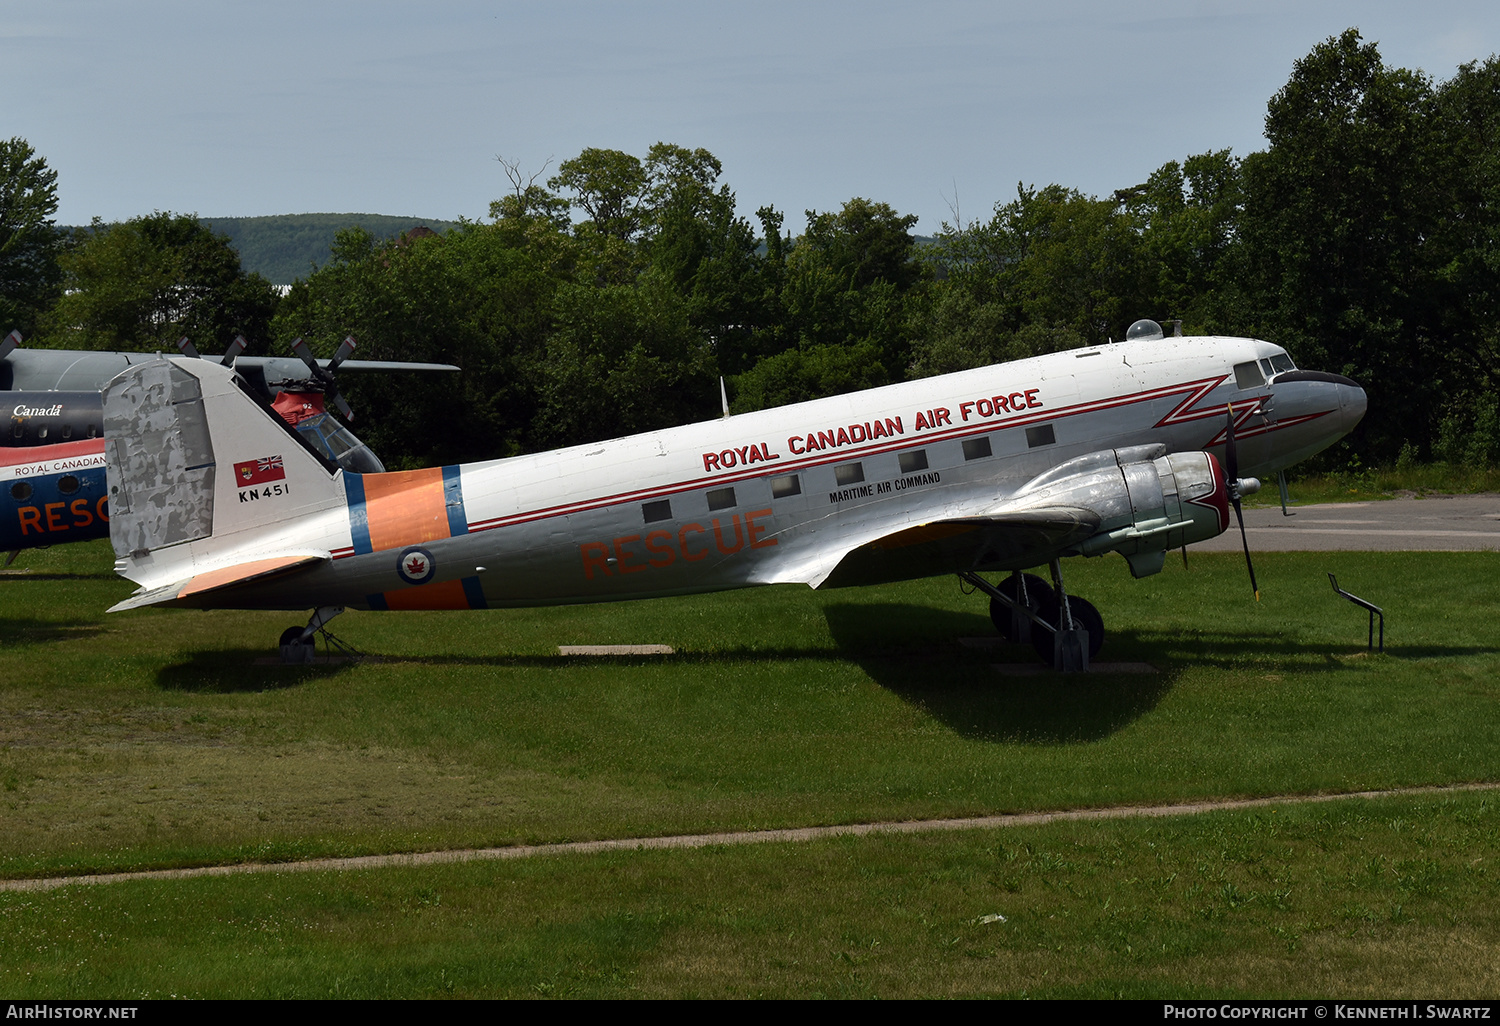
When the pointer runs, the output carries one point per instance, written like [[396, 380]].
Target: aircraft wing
[[256, 571], [998, 541], [76, 370]]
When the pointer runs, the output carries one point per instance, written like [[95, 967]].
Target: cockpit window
[[339, 444], [1248, 375], [1282, 362]]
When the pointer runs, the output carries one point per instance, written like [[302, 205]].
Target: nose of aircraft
[[1320, 391], [1352, 404], [1314, 409]]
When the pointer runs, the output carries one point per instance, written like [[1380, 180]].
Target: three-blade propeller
[[1236, 488], [325, 377]]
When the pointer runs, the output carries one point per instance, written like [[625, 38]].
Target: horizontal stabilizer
[[255, 571]]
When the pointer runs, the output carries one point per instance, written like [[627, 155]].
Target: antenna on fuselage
[[723, 396]]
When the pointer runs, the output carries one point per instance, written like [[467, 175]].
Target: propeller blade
[[238, 346], [186, 347], [303, 353], [1231, 451], [1245, 541], [1232, 485], [12, 341], [344, 352], [343, 407]]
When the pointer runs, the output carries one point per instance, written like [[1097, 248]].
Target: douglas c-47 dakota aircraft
[[216, 503]]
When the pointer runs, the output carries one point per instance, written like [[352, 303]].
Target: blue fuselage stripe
[[453, 497], [474, 593], [359, 521]]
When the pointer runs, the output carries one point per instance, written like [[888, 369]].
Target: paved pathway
[[919, 826], [1437, 523]]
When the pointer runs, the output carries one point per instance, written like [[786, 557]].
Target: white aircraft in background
[[216, 503]]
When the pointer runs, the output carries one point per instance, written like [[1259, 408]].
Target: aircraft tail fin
[[202, 474]]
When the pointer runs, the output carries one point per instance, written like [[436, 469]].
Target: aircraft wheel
[[1038, 596], [294, 649], [1084, 615]]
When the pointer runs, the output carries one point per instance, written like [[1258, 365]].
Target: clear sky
[[384, 106]]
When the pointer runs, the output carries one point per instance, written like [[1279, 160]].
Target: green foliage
[[1469, 435], [145, 283], [798, 375], [621, 359], [30, 277], [286, 247], [1341, 231], [467, 298]]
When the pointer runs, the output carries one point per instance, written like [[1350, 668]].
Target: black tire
[[1039, 597], [293, 636], [1084, 615]]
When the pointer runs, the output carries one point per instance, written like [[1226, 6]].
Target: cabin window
[[849, 473], [41, 433], [1042, 435], [67, 484], [913, 461], [93, 430], [67, 431], [17, 428], [20, 491], [977, 448], [785, 486], [658, 510], [1247, 375], [720, 498]]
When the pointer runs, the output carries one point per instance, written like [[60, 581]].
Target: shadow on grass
[[960, 687], [61, 575], [14, 633], [1275, 652], [235, 670]]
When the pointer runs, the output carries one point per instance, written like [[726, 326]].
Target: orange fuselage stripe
[[406, 507], [439, 595]]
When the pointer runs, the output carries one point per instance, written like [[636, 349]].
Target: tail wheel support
[[300, 644]]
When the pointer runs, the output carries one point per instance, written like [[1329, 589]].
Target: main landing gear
[[300, 644], [1066, 631]]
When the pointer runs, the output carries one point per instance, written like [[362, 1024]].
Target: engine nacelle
[[1147, 501]]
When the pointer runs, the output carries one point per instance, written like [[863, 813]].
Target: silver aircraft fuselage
[[241, 519]]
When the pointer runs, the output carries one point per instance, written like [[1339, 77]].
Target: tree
[[1051, 258], [1185, 216], [29, 239], [607, 184], [471, 297], [143, 284], [1342, 211]]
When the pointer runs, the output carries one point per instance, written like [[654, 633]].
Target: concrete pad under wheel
[[316, 661], [1035, 669], [614, 650]]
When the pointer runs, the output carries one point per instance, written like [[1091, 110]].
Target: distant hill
[[285, 247]]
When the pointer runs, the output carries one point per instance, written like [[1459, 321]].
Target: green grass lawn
[[1355, 899], [150, 739]]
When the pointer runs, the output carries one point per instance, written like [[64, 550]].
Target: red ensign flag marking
[[253, 472]]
